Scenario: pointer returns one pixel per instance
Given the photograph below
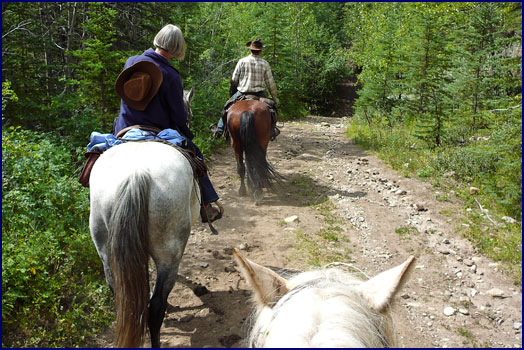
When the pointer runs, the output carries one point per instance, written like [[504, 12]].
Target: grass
[[498, 242], [304, 184], [325, 245], [330, 233], [496, 173], [442, 197], [404, 232], [466, 333]]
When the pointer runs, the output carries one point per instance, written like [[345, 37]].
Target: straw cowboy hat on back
[[138, 84], [255, 45]]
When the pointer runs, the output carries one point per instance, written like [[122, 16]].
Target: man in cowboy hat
[[152, 95], [251, 75]]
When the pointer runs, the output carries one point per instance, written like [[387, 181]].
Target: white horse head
[[323, 308]]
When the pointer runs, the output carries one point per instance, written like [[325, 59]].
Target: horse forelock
[[323, 309]]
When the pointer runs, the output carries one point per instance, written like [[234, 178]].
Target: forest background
[[434, 88]]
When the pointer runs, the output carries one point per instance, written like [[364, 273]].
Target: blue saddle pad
[[102, 142]]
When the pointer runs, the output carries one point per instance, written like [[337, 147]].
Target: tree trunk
[[71, 19]]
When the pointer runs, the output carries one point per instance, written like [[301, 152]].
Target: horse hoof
[[242, 192], [258, 195]]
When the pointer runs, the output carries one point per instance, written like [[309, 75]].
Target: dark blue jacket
[[166, 109]]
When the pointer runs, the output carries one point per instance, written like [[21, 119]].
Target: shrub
[[468, 163], [491, 161], [54, 293]]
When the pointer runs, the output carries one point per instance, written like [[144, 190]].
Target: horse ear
[[190, 95], [380, 290], [267, 285]]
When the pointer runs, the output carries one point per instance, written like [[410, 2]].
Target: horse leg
[[258, 194], [165, 281], [99, 236], [167, 270], [257, 190], [241, 171]]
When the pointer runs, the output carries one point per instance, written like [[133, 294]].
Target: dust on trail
[[366, 215]]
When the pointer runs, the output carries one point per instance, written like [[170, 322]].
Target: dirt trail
[[369, 216]]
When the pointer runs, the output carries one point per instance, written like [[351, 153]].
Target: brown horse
[[249, 126]]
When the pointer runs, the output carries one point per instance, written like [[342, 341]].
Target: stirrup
[[213, 213], [274, 133], [217, 133]]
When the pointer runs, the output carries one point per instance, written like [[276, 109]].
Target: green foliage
[[441, 65], [446, 75], [53, 293], [98, 66], [7, 94], [428, 62], [63, 62], [380, 54], [492, 163]]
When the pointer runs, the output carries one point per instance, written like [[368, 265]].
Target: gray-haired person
[[165, 108]]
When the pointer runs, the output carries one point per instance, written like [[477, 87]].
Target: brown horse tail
[[128, 248], [259, 170]]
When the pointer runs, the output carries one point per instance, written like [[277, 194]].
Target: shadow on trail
[[224, 307], [299, 190]]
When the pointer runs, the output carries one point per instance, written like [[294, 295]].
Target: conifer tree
[[378, 50], [475, 44], [428, 70]]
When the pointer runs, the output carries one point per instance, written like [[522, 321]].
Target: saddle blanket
[[102, 142]]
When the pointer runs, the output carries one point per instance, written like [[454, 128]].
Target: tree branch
[[505, 109], [18, 27], [486, 213]]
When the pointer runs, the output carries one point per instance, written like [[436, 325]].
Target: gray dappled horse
[[144, 199]]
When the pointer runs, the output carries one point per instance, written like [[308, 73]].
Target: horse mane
[[324, 309]]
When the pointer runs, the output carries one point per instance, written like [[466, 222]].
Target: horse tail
[[128, 248], [259, 170]]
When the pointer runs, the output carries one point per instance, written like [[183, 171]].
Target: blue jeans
[[209, 194], [220, 125]]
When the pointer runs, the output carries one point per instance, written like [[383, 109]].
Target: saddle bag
[[91, 158]]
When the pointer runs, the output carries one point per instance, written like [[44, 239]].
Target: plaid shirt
[[252, 74]]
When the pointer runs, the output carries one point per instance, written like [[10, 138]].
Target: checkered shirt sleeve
[[253, 74]]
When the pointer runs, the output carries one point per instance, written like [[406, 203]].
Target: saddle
[[197, 164]]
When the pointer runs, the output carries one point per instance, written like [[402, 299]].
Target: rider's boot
[[274, 132], [210, 213], [218, 133], [217, 130]]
